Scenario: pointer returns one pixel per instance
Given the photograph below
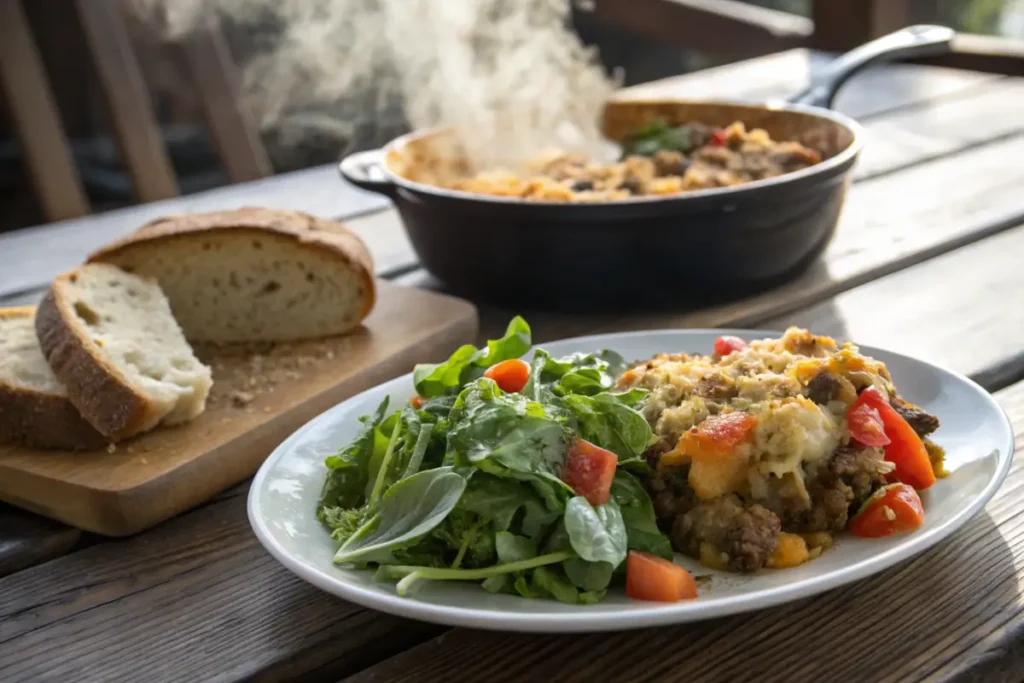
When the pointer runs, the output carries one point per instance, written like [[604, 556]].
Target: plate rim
[[580, 620]]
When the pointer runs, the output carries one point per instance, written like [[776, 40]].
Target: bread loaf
[[34, 407], [252, 275], [110, 338]]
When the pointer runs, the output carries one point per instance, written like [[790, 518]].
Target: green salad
[[521, 477]]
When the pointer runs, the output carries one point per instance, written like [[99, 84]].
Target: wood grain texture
[[196, 599], [27, 540], [943, 310], [37, 124], [127, 100], [257, 400], [953, 613]]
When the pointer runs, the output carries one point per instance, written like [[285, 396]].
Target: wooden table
[[927, 261]]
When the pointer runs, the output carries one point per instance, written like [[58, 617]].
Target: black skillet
[[645, 250]]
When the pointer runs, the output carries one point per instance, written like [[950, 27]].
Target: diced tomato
[[652, 578], [905, 449], [727, 344], [718, 138], [511, 375], [589, 470], [866, 425], [417, 402], [892, 509]]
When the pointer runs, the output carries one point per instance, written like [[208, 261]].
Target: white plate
[[975, 433]]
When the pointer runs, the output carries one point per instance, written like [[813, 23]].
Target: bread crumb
[[111, 448], [240, 399]]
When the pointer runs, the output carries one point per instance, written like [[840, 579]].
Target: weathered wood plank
[[198, 592], [27, 540], [889, 223], [953, 613], [943, 310]]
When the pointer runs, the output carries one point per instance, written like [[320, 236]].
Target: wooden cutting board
[[260, 396]]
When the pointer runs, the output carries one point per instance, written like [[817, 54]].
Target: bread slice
[[252, 274], [34, 408], [110, 338]]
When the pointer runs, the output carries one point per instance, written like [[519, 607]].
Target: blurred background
[[160, 97]]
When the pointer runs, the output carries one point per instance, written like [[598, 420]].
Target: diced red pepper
[[511, 375], [892, 509], [905, 449], [866, 426], [653, 578], [727, 344], [417, 402], [589, 470], [718, 139], [720, 433]]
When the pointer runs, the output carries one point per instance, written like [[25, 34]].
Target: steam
[[510, 76]]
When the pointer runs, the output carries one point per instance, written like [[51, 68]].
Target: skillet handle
[[913, 41], [365, 170]]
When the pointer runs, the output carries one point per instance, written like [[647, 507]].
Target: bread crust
[[99, 391], [37, 419], [308, 231]]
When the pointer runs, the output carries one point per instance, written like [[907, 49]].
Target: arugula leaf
[[512, 548], [606, 421], [348, 471], [468, 362], [642, 530], [409, 510], [597, 534]]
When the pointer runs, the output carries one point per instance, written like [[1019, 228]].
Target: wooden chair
[[37, 123]]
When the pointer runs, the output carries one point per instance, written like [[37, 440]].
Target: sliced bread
[[110, 338], [34, 407], [253, 274]]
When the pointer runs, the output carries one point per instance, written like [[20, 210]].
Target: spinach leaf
[[348, 471], [588, 576], [592, 597], [538, 517], [468, 362], [419, 450], [512, 548], [500, 432], [638, 516], [606, 421], [408, 510], [497, 499], [579, 373], [597, 534]]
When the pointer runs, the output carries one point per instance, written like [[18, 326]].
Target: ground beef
[[716, 388], [923, 423], [851, 475], [822, 388], [748, 535]]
